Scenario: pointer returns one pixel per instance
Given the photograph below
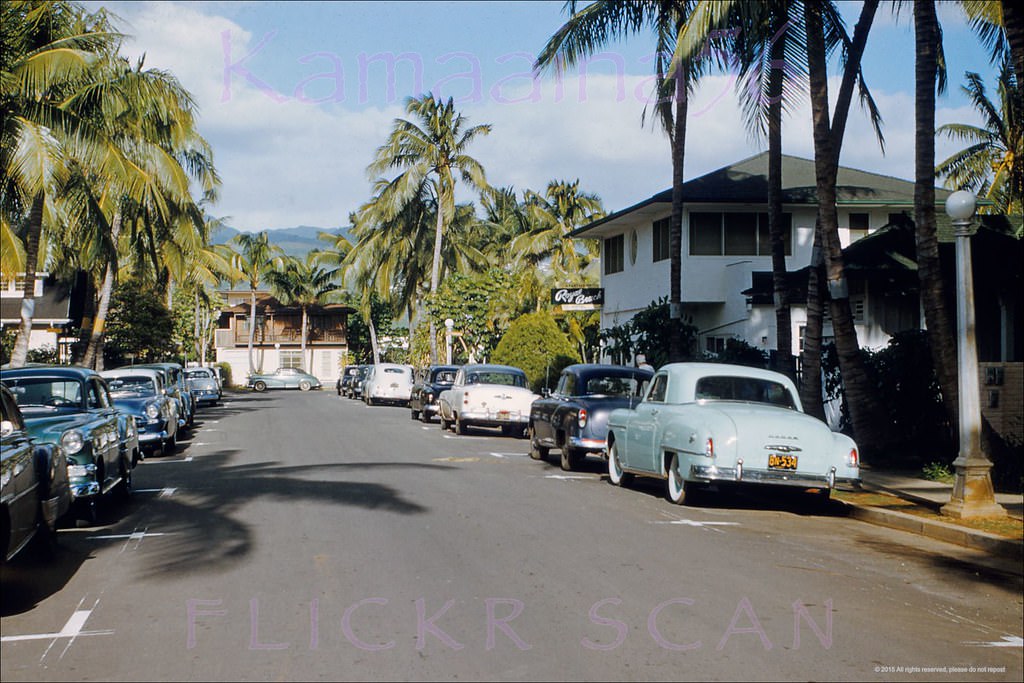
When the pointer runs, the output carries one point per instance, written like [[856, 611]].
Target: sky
[[296, 97]]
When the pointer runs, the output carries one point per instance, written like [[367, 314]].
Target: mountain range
[[297, 241]]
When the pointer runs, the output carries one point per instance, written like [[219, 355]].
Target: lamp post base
[[973, 495]]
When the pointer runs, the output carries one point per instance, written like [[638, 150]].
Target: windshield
[[198, 374], [45, 391], [445, 377], [121, 387]]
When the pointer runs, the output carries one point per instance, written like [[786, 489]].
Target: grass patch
[[1008, 527]]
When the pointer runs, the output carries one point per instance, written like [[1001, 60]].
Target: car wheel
[[124, 489], [537, 452], [414, 414], [259, 386], [677, 486], [304, 385], [570, 459], [445, 424], [170, 446], [424, 417], [616, 475], [88, 510], [460, 426]]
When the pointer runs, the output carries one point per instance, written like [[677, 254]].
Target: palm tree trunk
[[783, 318], [252, 328], [305, 322], [19, 355], [93, 357], [810, 360], [435, 274], [868, 425], [675, 234], [940, 327], [1013, 24]]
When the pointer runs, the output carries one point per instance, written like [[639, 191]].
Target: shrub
[[534, 344], [226, 373]]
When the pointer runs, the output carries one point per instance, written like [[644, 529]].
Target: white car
[[388, 383], [701, 423], [487, 396]]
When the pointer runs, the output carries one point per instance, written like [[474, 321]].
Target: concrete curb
[[941, 531]]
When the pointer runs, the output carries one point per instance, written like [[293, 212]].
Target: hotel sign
[[578, 299]]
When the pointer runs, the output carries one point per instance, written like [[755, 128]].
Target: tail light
[[465, 399], [709, 447], [853, 459], [581, 418]]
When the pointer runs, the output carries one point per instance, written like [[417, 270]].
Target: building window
[[661, 239], [736, 233], [715, 345], [614, 249], [290, 359], [858, 226]]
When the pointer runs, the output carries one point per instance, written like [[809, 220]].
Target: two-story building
[[57, 311], [277, 339], [726, 249]]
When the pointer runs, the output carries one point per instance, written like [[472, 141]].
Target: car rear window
[[611, 386], [744, 389]]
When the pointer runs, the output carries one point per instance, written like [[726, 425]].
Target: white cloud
[[287, 163]]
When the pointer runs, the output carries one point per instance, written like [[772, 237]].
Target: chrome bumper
[[741, 474], [588, 444]]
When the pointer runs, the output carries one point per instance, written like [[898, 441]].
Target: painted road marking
[[1007, 641], [164, 492], [71, 629], [136, 536], [566, 477]]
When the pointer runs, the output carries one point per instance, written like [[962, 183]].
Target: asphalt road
[[305, 536]]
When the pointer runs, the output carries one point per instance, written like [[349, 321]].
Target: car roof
[[132, 370], [75, 371], [490, 367]]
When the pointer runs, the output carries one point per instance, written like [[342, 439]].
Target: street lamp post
[[973, 495], [448, 325]]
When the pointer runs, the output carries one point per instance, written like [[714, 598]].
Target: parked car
[[428, 385], [348, 374], [284, 378], [574, 417], [355, 387], [701, 423], [204, 384], [388, 383], [487, 396], [140, 391], [71, 406], [177, 385], [34, 488]]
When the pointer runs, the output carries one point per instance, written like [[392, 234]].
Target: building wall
[[712, 285], [324, 363]]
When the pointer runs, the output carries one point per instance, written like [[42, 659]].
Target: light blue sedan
[[284, 378], [701, 423]]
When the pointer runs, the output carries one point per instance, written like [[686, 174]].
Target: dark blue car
[[574, 417]]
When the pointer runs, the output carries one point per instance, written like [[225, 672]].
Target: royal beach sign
[[578, 299]]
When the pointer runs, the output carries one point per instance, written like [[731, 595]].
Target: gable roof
[[746, 182]]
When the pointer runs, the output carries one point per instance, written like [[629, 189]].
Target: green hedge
[[535, 344]]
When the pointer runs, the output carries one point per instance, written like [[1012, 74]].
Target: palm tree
[[992, 164], [430, 149], [305, 284], [551, 217], [49, 51], [590, 28], [868, 424], [929, 78], [257, 258]]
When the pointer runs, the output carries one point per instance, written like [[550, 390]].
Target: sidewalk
[[933, 494]]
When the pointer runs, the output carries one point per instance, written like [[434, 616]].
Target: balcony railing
[[283, 336]]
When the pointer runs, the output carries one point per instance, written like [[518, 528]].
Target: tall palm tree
[[431, 148], [590, 28], [48, 53], [305, 284], [257, 258], [869, 424], [929, 79], [992, 163]]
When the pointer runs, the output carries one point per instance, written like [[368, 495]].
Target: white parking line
[[164, 492], [566, 476], [71, 629], [1007, 641], [136, 536]]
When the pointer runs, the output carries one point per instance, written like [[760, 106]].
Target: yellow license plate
[[778, 461]]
